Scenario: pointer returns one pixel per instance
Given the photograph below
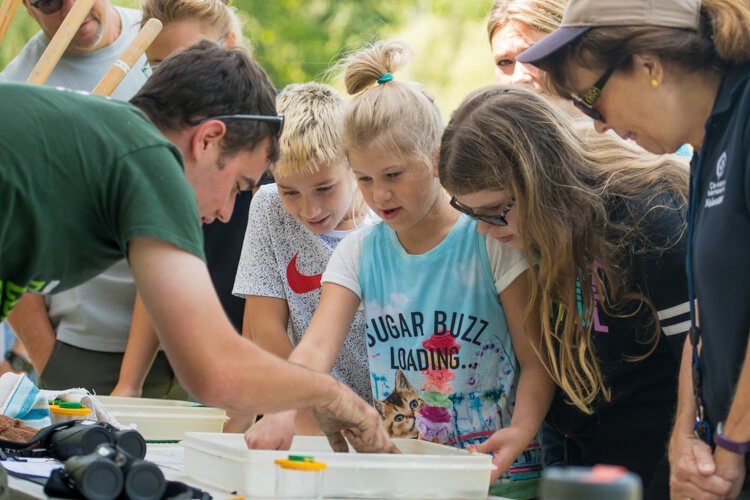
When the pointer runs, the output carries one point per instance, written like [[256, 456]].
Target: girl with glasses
[[451, 353], [605, 226]]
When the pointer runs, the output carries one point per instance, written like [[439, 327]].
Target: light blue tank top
[[436, 318]]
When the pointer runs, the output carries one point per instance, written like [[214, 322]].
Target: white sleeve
[[506, 262], [257, 271], [343, 268]]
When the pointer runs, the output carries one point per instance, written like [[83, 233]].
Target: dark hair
[[206, 80], [722, 41]]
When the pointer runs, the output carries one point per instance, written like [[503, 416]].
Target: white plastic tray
[[422, 470], [163, 419], [140, 402]]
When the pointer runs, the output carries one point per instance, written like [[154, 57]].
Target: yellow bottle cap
[[295, 463], [77, 412]]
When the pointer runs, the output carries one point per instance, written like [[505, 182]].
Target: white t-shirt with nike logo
[[281, 258]]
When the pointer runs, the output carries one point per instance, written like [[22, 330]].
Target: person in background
[[606, 228], [663, 74], [186, 22], [294, 227], [103, 36], [512, 27], [78, 336], [176, 156], [450, 351]]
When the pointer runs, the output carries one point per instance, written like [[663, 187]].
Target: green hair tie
[[385, 78]]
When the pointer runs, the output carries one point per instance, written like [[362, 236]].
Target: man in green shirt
[[85, 180]]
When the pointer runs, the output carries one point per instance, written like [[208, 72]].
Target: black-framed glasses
[[47, 6], [586, 103], [498, 219], [276, 121]]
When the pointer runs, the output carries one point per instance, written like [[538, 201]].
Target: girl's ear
[[230, 41]]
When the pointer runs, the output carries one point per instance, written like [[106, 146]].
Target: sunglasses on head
[[276, 121], [586, 103], [47, 6], [498, 219]]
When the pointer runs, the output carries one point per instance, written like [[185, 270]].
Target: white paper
[[39, 467]]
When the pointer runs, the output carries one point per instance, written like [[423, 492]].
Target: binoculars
[[110, 472], [82, 437]]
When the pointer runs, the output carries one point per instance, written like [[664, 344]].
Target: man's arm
[[226, 370], [142, 348], [30, 322]]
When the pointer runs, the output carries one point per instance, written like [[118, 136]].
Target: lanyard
[[701, 427]]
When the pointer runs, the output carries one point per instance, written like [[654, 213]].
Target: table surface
[[169, 458]]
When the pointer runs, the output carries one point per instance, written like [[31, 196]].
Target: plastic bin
[[141, 402], [422, 470], [163, 419]]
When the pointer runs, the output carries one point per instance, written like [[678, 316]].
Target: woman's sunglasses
[[47, 6], [586, 103], [495, 219]]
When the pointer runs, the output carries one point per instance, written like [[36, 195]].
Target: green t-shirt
[[80, 175]]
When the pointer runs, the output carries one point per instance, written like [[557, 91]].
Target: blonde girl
[[451, 354]]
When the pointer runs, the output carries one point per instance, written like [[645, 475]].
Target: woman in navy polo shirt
[[664, 73]]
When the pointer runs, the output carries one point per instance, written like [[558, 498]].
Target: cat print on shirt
[[399, 409]]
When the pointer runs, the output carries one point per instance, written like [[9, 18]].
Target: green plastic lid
[[301, 458], [70, 405]]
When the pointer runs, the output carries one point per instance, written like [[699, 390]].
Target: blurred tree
[[300, 40], [297, 40]]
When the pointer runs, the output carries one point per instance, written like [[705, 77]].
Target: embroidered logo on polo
[[298, 282], [716, 188]]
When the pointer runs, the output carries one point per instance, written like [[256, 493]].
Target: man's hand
[[693, 470], [731, 467], [347, 417]]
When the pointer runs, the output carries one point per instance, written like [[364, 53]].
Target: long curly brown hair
[[565, 178]]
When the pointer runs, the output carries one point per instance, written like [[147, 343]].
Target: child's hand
[[272, 432], [504, 445], [126, 390]]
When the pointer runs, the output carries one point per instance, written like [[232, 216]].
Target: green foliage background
[[299, 40]]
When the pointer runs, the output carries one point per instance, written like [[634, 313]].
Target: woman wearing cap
[[663, 73]]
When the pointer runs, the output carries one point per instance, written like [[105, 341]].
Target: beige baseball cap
[[582, 15]]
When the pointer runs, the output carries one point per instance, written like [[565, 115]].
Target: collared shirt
[[721, 241]]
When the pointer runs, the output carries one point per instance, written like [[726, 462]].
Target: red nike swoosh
[[298, 282]]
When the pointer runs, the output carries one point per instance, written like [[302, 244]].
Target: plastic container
[[164, 419], [118, 401], [590, 483], [62, 411], [422, 470], [299, 477]]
